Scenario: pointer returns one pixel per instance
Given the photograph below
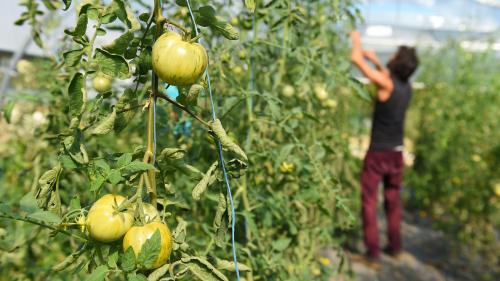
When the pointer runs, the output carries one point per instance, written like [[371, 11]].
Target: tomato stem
[[195, 39], [184, 108]]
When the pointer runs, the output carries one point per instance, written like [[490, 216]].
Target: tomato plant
[[139, 143]]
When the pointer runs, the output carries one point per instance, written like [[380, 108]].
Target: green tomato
[[320, 92], [242, 54], [137, 236], [101, 83], [178, 62], [288, 91], [25, 66], [330, 103], [104, 223], [237, 70]]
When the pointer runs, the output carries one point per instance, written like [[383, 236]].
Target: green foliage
[[93, 144], [456, 145]]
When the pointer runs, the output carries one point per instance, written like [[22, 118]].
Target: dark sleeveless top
[[389, 118]]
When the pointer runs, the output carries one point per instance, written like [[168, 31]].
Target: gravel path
[[428, 256]]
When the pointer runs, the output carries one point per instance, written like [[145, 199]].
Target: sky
[[411, 21]]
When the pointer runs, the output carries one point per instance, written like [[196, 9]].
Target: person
[[384, 159]]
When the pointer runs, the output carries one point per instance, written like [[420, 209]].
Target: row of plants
[[110, 172]]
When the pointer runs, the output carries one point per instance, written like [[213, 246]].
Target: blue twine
[[221, 156]]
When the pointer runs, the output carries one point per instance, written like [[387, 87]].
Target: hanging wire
[[221, 155]]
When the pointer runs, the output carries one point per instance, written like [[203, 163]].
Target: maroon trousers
[[386, 166]]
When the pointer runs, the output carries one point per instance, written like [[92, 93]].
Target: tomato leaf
[[225, 140], [206, 17], [359, 89], [137, 166], [7, 110], [203, 269], [120, 44], [150, 250], [136, 277], [81, 26], [125, 14], [128, 260], [281, 244], [76, 91], [112, 65], [67, 4], [106, 125], [67, 162], [45, 216], [124, 159], [230, 266], [114, 177], [208, 178], [28, 203], [126, 108], [250, 5], [99, 274]]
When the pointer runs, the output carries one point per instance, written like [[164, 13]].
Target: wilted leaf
[[203, 269], [106, 125], [250, 5], [225, 140], [230, 265], [137, 166], [207, 179]]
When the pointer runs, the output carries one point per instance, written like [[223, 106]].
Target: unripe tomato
[[24, 66], [101, 83], [330, 103], [104, 223], [150, 213], [320, 92], [497, 189], [225, 57], [288, 91], [178, 62], [237, 70], [242, 54], [138, 235]]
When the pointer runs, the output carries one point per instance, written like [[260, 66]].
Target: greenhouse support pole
[[8, 73]]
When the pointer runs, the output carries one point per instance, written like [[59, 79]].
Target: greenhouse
[[250, 140]]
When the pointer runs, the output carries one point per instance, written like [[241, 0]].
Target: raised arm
[[379, 76]]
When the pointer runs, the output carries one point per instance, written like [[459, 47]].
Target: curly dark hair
[[404, 63]]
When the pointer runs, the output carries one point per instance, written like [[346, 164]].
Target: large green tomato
[[104, 223], [138, 235], [101, 83], [178, 62]]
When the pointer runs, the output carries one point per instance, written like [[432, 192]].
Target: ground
[[428, 256]]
